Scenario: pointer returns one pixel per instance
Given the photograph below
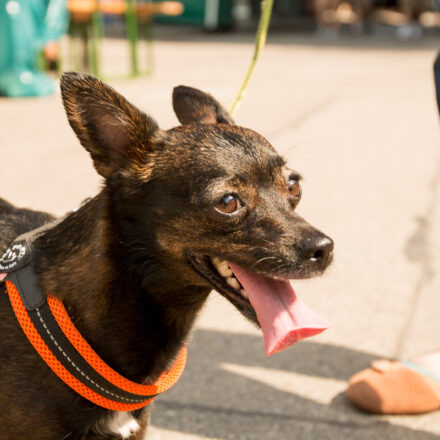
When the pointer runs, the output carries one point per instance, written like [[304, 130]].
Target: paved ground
[[358, 119]]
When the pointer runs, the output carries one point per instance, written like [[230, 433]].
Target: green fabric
[[25, 27]]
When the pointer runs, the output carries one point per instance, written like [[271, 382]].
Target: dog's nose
[[318, 250]]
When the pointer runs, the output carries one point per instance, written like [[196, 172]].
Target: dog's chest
[[121, 423]]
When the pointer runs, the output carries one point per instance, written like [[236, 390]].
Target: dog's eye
[[228, 204], [294, 187]]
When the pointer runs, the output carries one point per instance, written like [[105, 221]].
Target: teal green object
[[25, 27], [208, 14]]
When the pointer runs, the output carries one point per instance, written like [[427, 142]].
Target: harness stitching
[[76, 367]]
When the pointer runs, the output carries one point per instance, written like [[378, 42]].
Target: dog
[[205, 205]]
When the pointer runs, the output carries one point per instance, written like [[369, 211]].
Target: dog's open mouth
[[219, 273], [271, 302]]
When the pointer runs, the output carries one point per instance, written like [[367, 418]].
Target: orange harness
[[50, 330]]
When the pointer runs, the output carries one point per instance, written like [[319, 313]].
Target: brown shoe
[[394, 388]]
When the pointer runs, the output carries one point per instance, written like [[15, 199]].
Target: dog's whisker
[[261, 260]]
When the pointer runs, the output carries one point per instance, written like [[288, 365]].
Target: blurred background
[[344, 90]]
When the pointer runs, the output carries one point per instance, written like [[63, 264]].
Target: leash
[[48, 327], [260, 41]]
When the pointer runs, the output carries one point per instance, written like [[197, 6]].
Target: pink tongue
[[283, 317]]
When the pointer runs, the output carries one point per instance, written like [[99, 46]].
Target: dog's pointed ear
[[193, 105], [112, 130]]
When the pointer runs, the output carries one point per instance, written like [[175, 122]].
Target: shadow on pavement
[[210, 401]]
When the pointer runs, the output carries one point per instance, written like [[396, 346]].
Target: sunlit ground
[[357, 118]]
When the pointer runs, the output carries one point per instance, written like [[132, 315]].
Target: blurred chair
[[86, 26]]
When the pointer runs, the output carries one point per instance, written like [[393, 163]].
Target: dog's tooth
[[215, 261], [224, 270], [222, 267], [243, 292], [233, 282]]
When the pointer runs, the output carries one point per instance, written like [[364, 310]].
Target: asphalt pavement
[[357, 118]]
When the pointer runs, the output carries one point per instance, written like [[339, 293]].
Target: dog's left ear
[[114, 132], [193, 105]]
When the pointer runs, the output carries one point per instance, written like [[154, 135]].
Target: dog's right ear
[[193, 105], [113, 131]]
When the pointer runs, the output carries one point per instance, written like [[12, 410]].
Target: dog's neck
[[136, 331]]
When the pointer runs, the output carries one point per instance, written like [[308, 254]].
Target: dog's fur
[[128, 264]]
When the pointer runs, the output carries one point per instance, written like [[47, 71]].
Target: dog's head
[[207, 204]]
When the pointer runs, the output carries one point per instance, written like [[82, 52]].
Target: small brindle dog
[[135, 264]]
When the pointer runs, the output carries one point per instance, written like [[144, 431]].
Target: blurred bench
[[86, 25]]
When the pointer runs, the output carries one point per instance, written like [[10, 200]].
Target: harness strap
[[47, 325], [72, 359]]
